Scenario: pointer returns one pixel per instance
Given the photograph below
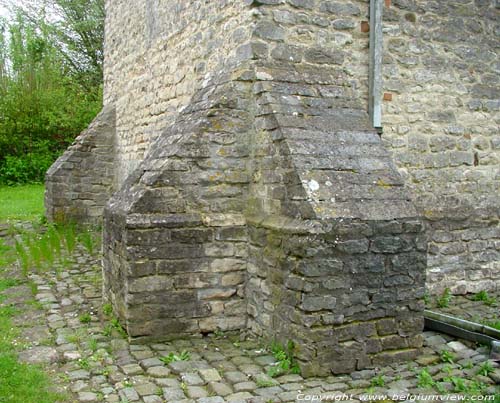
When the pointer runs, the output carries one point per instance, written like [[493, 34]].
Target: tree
[[50, 84], [76, 27]]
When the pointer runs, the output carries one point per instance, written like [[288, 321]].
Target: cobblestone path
[[67, 331], [480, 308]]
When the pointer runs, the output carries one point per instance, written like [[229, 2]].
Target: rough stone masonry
[[242, 187]]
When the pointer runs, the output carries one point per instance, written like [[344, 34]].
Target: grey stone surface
[[39, 355], [252, 193]]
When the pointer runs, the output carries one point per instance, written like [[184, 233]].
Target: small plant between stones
[[484, 297], [486, 368], [447, 357], [444, 300], [85, 318], [171, 357], [285, 362], [47, 248], [378, 381]]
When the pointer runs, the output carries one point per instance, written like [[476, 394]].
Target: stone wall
[[441, 68], [80, 183], [157, 54], [253, 193], [268, 177]]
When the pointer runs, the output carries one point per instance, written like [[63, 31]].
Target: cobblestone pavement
[[67, 331], [481, 307]]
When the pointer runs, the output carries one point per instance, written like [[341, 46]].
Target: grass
[[21, 202], [20, 383], [444, 300]]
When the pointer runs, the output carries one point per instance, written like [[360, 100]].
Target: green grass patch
[[21, 202], [20, 383]]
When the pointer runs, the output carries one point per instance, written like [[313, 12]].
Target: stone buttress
[[268, 204]]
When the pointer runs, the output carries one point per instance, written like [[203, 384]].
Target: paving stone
[[427, 360], [264, 379], [87, 397], [171, 394], [146, 389], [178, 367], [265, 360], [72, 355], [129, 394], [236, 376], [251, 369], [132, 369], [240, 396], [210, 375], [39, 355], [213, 399], [192, 378], [298, 386], [436, 340], [213, 356], [79, 374], [495, 376], [79, 386], [245, 386], [151, 362], [290, 378], [158, 372], [196, 392], [152, 399], [268, 392], [241, 360], [340, 386], [168, 382], [219, 389]]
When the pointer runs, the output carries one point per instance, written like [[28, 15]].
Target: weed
[[84, 363], [486, 369], [85, 318], [427, 299], [93, 345], [107, 309], [33, 287], [425, 379], [447, 356], [481, 296], [171, 357], [447, 368], [22, 257], [115, 323], [108, 330], [484, 297], [493, 323], [264, 383], [54, 240], [444, 300], [378, 381], [20, 383], [218, 334], [69, 236], [285, 361]]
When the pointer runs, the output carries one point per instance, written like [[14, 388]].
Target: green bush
[[27, 168], [46, 97]]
